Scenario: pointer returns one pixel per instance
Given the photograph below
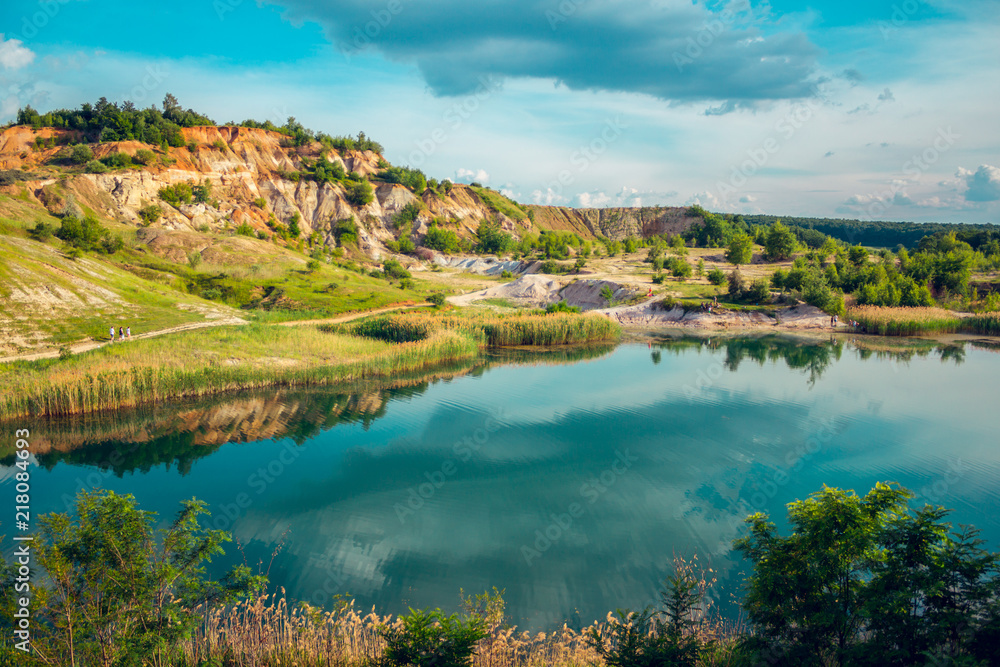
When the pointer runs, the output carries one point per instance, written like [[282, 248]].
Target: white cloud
[[13, 54], [469, 175], [984, 183], [747, 199]]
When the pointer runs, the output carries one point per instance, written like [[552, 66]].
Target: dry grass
[[268, 631], [493, 329], [904, 321], [199, 363]]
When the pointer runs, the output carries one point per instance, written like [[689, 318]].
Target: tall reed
[[196, 364], [983, 323], [905, 321]]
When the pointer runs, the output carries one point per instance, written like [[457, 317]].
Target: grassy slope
[[70, 301]]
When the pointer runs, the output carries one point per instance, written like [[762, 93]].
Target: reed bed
[[492, 330], [200, 363], [268, 632], [987, 324], [905, 321]]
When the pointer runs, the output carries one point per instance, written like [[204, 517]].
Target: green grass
[[984, 323], [492, 329], [904, 321], [199, 363], [499, 203], [496, 301]]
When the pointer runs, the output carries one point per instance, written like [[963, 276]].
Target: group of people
[[123, 333], [853, 323]]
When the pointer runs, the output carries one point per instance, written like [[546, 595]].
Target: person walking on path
[[121, 334], [112, 334], [128, 332]]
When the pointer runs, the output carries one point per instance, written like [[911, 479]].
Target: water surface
[[571, 480]]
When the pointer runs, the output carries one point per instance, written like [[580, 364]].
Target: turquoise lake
[[570, 479]]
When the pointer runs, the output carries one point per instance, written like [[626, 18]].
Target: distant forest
[[883, 234]]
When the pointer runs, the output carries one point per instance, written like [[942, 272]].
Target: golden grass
[[268, 631], [198, 363], [904, 321], [493, 329]]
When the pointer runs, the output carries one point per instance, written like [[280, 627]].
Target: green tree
[[359, 193], [117, 591], [779, 243], [865, 580], [736, 284], [81, 154], [740, 249], [491, 239], [431, 639]]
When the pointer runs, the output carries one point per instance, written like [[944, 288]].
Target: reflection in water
[[401, 496]]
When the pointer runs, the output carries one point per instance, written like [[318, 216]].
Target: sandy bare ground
[[84, 346]]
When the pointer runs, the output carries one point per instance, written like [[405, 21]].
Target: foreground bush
[[867, 581], [431, 639], [113, 590]]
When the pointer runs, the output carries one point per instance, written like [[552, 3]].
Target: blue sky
[[883, 109]]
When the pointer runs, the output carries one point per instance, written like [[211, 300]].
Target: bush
[[759, 291], [916, 587], [40, 232], [244, 229], [313, 265], [736, 284], [83, 234], [144, 156], [437, 299], [411, 178], [110, 244], [561, 307], [346, 231], [442, 240], [716, 276], [117, 160], [96, 167], [260, 203], [175, 195], [359, 193], [492, 240], [138, 586], [392, 269], [150, 214], [431, 639], [81, 154], [506, 275], [680, 268]]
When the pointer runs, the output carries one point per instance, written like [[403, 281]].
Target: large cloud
[[984, 183], [13, 54], [672, 50]]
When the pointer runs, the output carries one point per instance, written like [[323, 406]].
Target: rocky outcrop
[[614, 223], [255, 180]]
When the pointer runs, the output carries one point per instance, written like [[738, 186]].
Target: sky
[[875, 110]]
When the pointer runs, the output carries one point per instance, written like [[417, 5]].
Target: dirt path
[[88, 345]]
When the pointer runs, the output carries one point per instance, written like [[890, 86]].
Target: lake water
[[570, 480]]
